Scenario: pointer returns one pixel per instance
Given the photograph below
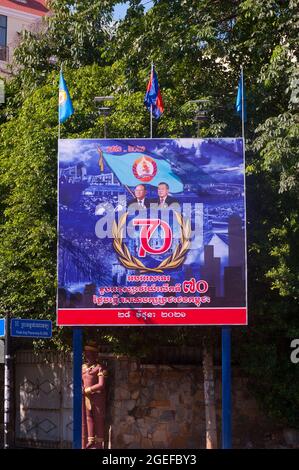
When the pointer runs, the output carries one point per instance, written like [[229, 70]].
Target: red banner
[[154, 317]]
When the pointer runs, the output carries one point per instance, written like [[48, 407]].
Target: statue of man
[[93, 399]]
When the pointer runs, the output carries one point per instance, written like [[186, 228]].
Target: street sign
[[31, 328], [2, 327]]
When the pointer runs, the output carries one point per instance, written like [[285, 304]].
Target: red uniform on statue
[[93, 400]]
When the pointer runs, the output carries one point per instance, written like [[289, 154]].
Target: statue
[[93, 400]]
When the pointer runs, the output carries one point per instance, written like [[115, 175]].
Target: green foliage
[[28, 235], [197, 48]]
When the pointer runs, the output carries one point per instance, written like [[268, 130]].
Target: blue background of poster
[[212, 172]]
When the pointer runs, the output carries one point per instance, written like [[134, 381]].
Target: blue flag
[[65, 107], [241, 90], [135, 168]]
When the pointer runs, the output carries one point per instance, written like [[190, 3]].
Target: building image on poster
[[151, 232]]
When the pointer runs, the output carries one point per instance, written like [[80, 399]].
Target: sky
[[120, 9]]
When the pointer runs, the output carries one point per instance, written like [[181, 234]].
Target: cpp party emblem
[[144, 169], [62, 97]]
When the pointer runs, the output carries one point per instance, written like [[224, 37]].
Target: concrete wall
[[15, 26], [16, 22]]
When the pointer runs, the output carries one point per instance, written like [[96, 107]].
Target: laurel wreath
[[171, 262]]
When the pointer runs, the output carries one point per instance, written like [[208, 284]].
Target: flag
[[241, 90], [138, 168], [101, 161], [153, 96], [65, 107]]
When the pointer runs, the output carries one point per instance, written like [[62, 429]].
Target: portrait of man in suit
[[140, 201], [164, 200]]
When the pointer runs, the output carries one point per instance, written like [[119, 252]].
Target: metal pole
[[226, 389], [59, 124], [243, 110], [105, 127], [8, 386], [151, 114], [151, 125], [77, 388]]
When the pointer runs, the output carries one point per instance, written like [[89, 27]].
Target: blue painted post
[[226, 389], [77, 388]]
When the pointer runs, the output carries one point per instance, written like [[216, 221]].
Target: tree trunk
[[209, 396]]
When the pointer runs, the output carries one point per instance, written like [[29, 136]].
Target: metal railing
[[4, 55]]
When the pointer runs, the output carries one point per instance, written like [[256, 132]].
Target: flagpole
[[151, 114], [129, 190], [151, 124], [243, 114], [59, 111]]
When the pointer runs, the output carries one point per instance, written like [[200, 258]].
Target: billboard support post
[[226, 389], [77, 388]]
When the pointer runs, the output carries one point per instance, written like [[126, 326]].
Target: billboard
[[151, 232]]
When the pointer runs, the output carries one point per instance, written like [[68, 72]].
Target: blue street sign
[[31, 328], [2, 327]]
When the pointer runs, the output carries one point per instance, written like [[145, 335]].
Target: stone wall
[[152, 406], [159, 406]]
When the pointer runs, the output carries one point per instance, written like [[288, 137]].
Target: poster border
[[183, 308]]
